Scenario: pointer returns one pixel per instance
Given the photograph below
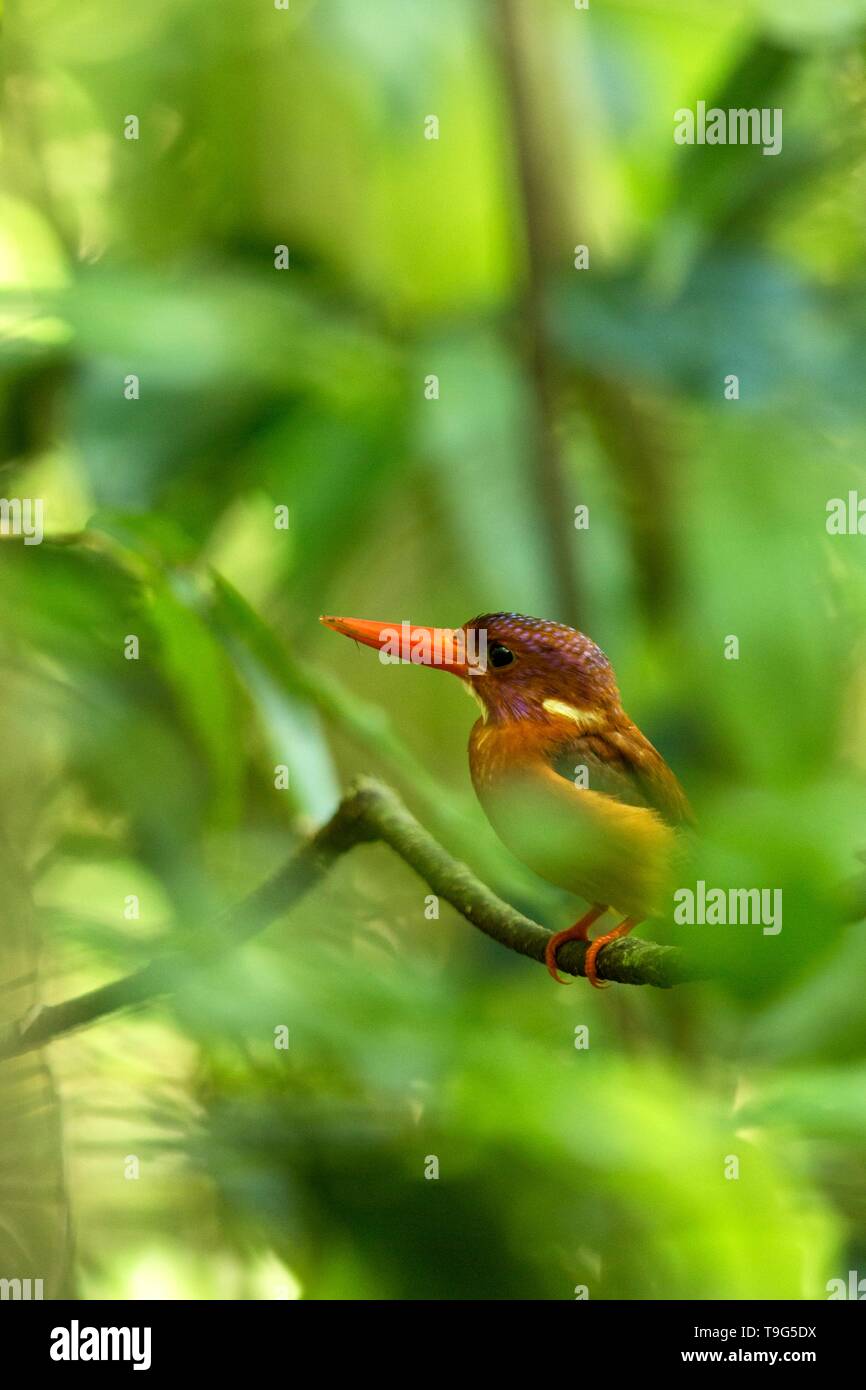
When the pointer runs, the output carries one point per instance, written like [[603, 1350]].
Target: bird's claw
[[589, 966], [589, 963], [579, 931], [550, 950]]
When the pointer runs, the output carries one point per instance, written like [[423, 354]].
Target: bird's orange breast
[[590, 843]]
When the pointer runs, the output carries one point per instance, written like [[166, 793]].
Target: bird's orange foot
[[578, 932], [589, 964]]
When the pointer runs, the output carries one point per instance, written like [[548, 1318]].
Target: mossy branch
[[369, 812]]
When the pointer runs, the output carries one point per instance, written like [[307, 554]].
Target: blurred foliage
[[268, 1173]]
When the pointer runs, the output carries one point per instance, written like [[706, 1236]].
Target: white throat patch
[[472, 689], [583, 718]]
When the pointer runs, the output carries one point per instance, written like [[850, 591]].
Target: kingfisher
[[567, 780]]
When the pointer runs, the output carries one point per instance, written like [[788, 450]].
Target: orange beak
[[445, 647]]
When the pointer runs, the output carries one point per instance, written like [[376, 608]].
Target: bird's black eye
[[500, 656]]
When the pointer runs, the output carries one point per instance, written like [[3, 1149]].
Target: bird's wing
[[623, 764], [584, 840]]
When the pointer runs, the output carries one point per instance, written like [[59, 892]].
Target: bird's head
[[516, 667]]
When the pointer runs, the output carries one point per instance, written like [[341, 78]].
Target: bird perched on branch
[[568, 781]]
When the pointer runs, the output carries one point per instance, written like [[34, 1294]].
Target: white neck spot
[[584, 718], [472, 690]]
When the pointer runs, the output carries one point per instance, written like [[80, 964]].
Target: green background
[[267, 1173]]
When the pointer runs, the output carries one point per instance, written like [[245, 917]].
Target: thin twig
[[369, 812]]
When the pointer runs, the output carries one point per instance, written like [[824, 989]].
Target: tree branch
[[369, 812]]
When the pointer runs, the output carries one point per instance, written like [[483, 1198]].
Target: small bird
[[568, 781]]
